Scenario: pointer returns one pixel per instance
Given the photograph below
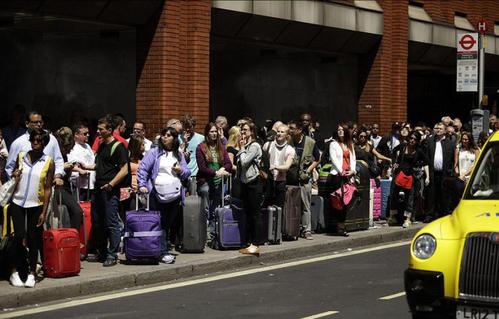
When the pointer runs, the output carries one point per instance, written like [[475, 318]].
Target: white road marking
[[81, 302], [390, 297], [321, 315]]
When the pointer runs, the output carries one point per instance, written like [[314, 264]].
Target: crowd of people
[[428, 166]]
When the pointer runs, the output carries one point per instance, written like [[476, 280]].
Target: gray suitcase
[[317, 208], [272, 222], [292, 213], [193, 228]]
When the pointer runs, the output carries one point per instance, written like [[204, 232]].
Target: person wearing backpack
[[306, 160], [112, 170]]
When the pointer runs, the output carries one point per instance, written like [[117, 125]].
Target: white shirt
[[166, 179], [375, 140], [30, 190], [466, 160], [336, 158], [82, 153], [438, 160], [280, 155]]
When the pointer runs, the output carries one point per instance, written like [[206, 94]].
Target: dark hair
[[143, 124], [417, 135], [117, 120], [253, 129], [188, 121], [471, 143], [30, 113], [347, 137], [218, 144], [77, 127], [108, 121], [134, 145], [38, 132], [296, 123], [175, 142]]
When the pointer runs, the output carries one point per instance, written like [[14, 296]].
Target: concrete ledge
[[96, 279]]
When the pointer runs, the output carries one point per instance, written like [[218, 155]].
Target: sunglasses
[[36, 122]]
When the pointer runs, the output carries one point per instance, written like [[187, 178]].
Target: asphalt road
[[344, 287]]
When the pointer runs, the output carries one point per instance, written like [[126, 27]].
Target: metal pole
[[481, 69]]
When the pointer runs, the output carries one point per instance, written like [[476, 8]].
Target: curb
[[87, 286]]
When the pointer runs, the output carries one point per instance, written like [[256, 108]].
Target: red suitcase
[[86, 221], [61, 252]]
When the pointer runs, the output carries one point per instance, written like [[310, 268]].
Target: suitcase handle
[[137, 201], [78, 189], [229, 177]]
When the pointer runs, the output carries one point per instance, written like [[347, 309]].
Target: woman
[[343, 160], [213, 165], [233, 145], [248, 161], [464, 158], [411, 160], [280, 155], [160, 174], [368, 155], [136, 148], [4, 153], [28, 209]]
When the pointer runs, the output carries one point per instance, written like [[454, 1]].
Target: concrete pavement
[[96, 279]]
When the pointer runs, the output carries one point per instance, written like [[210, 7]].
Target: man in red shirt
[[119, 128]]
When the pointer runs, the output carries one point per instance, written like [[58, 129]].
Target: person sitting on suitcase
[[281, 156], [213, 164], [248, 162], [306, 160], [111, 169], [28, 208], [161, 173]]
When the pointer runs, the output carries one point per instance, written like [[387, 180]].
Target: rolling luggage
[[376, 200], [142, 239], [292, 213], [385, 197], [61, 252], [230, 225], [317, 208], [271, 225], [192, 234], [86, 220], [358, 210]]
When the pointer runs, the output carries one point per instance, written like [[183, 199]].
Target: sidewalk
[[97, 279]]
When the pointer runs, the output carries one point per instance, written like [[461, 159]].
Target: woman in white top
[[280, 155], [343, 160], [464, 158], [35, 172]]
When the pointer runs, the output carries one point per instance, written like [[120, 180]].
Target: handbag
[[404, 181], [341, 197], [7, 190]]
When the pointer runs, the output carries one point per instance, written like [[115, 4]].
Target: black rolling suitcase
[[317, 209], [358, 210], [193, 226]]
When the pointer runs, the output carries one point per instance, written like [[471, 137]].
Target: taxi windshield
[[484, 184]]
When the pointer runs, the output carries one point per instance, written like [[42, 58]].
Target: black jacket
[[447, 154]]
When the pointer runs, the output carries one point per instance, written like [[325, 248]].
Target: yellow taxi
[[454, 261]]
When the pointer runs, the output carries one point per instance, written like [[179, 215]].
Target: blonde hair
[[234, 136]]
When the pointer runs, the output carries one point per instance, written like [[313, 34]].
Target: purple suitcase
[[142, 239], [230, 225]]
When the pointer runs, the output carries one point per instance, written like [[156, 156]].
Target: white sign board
[[467, 62]]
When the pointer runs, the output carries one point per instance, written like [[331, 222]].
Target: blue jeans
[[212, 195], [106, 222]]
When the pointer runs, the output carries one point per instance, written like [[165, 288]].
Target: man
[[191, 139], [446, 120], [22, 144], [375, 138], [441, 162], [111, 168], [222, 125], [139, 129], [306, 160], [82, 153], [310, 131], [388, 143], [492, 123], [451, 133], [120, 127]]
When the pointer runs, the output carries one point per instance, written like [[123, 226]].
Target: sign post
[[482, 28], [467, 62]]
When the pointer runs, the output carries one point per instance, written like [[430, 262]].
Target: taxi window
[[484, 184]]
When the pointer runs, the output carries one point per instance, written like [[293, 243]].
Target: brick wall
[[386, 87], [173, 59]]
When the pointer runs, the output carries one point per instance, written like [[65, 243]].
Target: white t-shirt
[[167, 182], [279, 156], [466, 160], [82, 153]]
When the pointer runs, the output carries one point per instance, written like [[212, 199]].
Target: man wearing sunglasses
[[22, 144], [83, 154]]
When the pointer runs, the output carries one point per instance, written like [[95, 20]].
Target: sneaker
[[30, 282], [168, 259], [406, 224], [15, 280], [110, 261], [308, 236]]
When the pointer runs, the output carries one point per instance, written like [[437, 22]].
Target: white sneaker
[[15, 280], [30, 282], [168, 259], [406, 224]]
